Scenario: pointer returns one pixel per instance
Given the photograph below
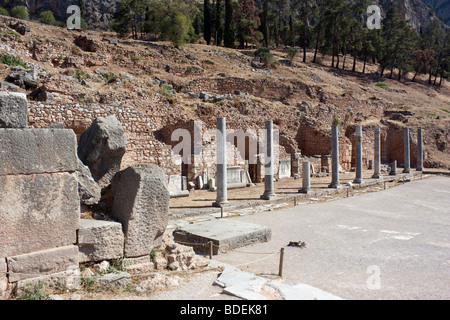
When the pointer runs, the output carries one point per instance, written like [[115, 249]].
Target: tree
[[265, 56], [306, 10], [265, 23], [208, 21], [4, 12], [176, 29], [422, 61], [47, 17], [229, 28], [359, 7], [20, 12], [121, 20], [218, 25], [246, 20]]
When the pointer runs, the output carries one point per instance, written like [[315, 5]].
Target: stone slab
[[38, 212], [226, 234], [43, 262], [141, 205], [284, 169], [13, 110], [33, 151], [100, 240]]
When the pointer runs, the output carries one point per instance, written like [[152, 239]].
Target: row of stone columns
[[221, 163], [269, 192], [377, 155]]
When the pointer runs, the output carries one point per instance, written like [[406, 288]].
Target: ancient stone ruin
[[46, 177]]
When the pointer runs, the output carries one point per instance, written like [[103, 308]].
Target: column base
[[406, 171], [219, 204], [305, 191], [357, 181], [268, 196], [335, 185]]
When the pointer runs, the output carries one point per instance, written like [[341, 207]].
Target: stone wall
[[142, 146], [264, 88], [39, 203]]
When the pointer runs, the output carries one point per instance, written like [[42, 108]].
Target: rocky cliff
[[441, 9]]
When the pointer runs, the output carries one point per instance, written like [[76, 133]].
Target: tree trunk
[[365, 59], [354, 59], [317, 45]]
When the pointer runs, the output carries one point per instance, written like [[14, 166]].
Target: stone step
[[225, 234]]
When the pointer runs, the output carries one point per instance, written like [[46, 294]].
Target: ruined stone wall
[[392, 145], [39, 204], [264, 88], [142, 146]]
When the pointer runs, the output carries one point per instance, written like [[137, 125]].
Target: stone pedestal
[[306, 183], [393, 168]]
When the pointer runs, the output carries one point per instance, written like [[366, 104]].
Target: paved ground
[[392, 244]]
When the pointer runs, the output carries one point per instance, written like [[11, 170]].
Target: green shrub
[[291, 53], [165, 90], [108, 76], [47, 17], [381, 84], [20, 12], [33, 292], [81, 75], [265, 56], [11, 60], [4, 12]]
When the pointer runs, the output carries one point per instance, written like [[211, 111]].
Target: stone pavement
[[381, 230]]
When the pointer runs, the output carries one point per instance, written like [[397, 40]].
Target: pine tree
[[306, 10], [208, 22], [218, 25], [229, 25], [265, 23], [359, 7]]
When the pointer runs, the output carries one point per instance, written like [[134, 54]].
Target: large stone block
[[101, 148], [13, 110], [100, 240], [3, 279], [141, 204], [88, 189], [36, 264], [32, 151], [38, 212]]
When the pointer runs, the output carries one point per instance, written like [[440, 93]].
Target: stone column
[[306, 184], [221, 163], [419, 166], [406, 152], [268, 163], [377, 156], [335, 157], [393, 168], [358, 133]]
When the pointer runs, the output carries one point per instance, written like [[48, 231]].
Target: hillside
[[141, 75]]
